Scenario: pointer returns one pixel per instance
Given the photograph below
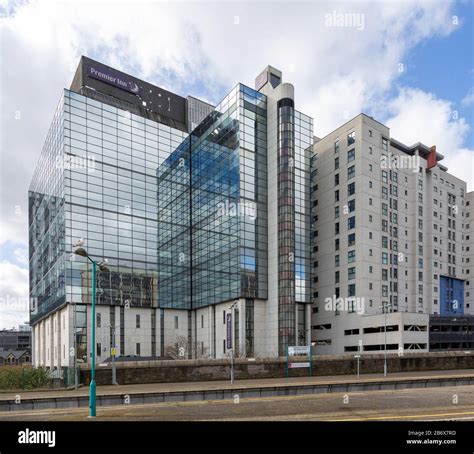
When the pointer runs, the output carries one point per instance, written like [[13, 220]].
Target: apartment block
[[387, 241]]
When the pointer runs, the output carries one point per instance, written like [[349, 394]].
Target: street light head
[[80, 251], [103, 266]]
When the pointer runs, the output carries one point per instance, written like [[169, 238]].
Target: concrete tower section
[[288, 311]]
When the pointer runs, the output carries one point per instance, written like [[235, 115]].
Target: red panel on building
[[431, 159]]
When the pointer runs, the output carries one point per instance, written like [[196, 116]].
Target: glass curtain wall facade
[[286, 224], [303, 141], [46, 218], [295, 132], [96, 180], [212, 210]]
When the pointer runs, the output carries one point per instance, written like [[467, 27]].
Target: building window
[[137, 321], [175, 322], [98, 349], [384, 144], [99, 319], [336, 163], [351, 290], [202, 321], [351, 155], [351, 222], [351, 239], [350, 189], [351, 172], [351, 273], [351, 256], [138, 349], [336, 146], [351, 138], [352, 205]]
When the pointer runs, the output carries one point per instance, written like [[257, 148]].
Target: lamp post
[[79, 250], [384, 308]]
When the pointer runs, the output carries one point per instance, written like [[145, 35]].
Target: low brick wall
[[208, 370]]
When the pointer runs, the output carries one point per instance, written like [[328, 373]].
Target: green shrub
[[22, 377]]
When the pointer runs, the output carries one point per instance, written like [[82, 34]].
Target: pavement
[[427, 404], [111, 390]]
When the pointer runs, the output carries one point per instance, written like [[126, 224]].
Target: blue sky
[[204, 49], [444, 65]]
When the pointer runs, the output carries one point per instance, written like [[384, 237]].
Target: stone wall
[[207, 370]]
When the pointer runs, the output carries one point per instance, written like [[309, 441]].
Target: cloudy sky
[[408, 63]]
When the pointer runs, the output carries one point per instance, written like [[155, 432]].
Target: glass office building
[[212, 221], [96, 180], [214, 196], [187, 217]]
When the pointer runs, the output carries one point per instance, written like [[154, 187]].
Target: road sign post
[[302, 350], [229, 345]]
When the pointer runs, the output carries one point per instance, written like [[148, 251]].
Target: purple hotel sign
[[229, 330], [113, 78]]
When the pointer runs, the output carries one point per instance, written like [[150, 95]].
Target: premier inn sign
[[113, 78]]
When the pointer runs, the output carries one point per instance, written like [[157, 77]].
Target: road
[[427, 404]]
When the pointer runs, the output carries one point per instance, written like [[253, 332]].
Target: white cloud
[[14, 298], [21, 256], [417, 116], [196, 47], [468, 100]]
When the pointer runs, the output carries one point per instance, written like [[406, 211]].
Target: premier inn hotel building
[[201, 211]]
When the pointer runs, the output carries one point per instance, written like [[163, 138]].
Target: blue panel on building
[[451, 296]]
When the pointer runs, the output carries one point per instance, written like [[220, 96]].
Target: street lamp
[[383, 307], [79, 250]]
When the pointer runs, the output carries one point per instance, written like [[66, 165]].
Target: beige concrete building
[[387, 233]]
